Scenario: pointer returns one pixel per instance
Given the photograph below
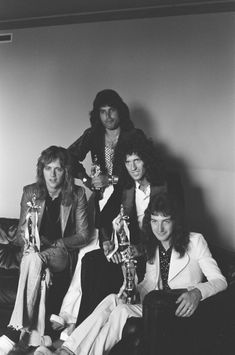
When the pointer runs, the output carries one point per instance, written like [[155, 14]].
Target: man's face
[[53, 175], [162, 227], [135, 167], [109, 117]]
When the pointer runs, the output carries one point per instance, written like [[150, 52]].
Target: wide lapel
[[157, 265], [64, 213], [177, 264], [41, 204], [129, 200]]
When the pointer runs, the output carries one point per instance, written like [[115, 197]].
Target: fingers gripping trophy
[[128, 290], [96, 171], [32, 240]]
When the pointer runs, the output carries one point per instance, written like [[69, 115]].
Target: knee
[[156, 299], [32, 258], [133, 326], [121, 311], [112, 299]]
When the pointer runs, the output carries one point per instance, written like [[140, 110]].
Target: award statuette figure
[[96, 171], [32, 240], [128, 290]]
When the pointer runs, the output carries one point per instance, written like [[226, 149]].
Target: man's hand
[[45, 242], [108, 246], [118, 224], [188, 303], [100, 181], [116, 258]]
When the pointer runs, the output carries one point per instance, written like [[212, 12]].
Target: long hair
[[47, 156], [144, 148], [167, 205], [110, 98]]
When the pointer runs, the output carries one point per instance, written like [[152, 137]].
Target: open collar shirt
[[141, 200]]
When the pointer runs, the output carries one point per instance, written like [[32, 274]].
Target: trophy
[[96, 171], [128, 262], [32, 240], [95, 167]]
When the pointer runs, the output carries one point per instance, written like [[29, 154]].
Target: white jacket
[[188, 271]]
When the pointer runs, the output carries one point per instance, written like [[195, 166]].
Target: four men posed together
[[175, 271]]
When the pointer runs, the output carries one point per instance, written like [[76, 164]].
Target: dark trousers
[[99, 278], [165, 333], [161, 332]]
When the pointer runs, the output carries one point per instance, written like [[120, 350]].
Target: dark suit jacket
[[93, 142], [126, 197]]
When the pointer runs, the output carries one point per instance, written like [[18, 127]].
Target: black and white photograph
[[117, 184]]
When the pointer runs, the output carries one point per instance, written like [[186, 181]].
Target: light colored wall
[[176, 74]]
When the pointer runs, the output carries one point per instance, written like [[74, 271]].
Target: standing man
[[110, 127], [62, 224]]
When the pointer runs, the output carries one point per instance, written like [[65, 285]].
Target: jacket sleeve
[[78, 151], [82, 236], [149, 282], [26, 197], [216, 282]]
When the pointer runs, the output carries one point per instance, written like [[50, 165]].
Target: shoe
[[19, 349], [46, 341], [43, 350], [67, 331], [6, 345], [57, 322], [57, 344]]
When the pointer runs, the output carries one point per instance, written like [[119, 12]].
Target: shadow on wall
[[199, 216]]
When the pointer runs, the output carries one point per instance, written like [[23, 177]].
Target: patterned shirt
[[109, 154], [165, 257]]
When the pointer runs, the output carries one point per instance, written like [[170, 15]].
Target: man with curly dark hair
[[111, 127]]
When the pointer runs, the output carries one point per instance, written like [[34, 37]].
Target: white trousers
[[31, 288], [99, 332]]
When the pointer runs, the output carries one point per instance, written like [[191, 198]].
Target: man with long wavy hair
[[110, 127], [62, 227], [178, 262]]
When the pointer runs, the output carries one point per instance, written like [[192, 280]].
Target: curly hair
[[166, 205], [47, 156], [145, 150], [110, 98]]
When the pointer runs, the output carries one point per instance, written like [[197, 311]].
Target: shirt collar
[[137, 186]]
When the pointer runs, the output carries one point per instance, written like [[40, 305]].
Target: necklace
[[111, 141]]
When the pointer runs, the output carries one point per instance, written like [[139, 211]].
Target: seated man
[[177, 259], [61, 220], [143, 174]]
